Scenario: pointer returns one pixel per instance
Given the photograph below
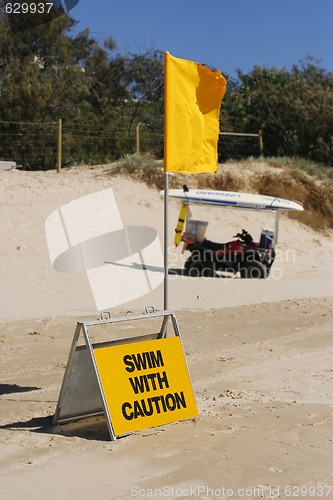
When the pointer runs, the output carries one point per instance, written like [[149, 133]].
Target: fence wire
[[34, 146]]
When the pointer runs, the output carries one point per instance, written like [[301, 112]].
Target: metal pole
[[59, 149], [166, 190], [276, 232], [166, 270]]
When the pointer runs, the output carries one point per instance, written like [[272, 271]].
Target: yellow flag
[[180, 224], [192, 98]]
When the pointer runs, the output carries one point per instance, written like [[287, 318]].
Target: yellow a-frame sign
[[137, 382]]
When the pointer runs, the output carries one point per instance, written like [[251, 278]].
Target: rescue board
[[232, 199], [180, 224]]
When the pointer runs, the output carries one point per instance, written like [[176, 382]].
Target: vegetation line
[[282, 177]]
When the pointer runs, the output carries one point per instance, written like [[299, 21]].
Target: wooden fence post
[[261, 144], [59, 144], [137, 138]]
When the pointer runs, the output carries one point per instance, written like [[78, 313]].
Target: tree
[[45, 73], [293, 108], [145, 81]]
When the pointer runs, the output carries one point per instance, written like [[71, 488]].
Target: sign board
[[137, 382], [145, 384]]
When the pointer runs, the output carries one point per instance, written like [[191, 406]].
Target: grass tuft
[[143, 167]]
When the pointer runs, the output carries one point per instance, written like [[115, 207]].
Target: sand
[[259, 355]]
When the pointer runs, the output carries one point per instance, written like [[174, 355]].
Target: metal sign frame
[[81, 393]]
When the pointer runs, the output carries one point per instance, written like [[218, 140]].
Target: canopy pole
[[166, 223], [276, 232]]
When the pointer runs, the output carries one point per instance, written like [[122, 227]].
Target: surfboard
[[233, 199]]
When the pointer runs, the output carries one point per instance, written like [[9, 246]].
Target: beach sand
[[259, 354]]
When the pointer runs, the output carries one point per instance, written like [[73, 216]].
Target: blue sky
[[225, 34]]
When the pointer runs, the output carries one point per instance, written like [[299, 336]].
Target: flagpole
[[166, 224], [189, 88], [166, 191]]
